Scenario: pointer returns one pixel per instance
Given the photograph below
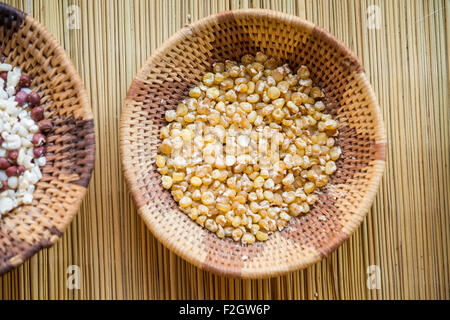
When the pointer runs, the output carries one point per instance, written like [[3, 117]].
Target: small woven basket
[[26, 44], [179, 64]]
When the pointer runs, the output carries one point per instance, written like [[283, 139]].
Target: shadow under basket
[[179, 64], [26, 44]]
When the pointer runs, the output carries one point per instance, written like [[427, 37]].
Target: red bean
[[24, 81], [34, 99], [37, 113], [20, 169], [38, 139], [4, 75], [13, 154], [4, 164], [45, 125], [38, 151], [11, 171], [21, 97]]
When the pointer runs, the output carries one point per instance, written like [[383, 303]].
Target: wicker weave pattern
[[70, 146], [165, 80]]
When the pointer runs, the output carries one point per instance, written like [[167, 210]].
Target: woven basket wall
[[70, 146], [179, 64]]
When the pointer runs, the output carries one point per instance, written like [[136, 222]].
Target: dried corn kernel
[[273, 93], [195, 92], [160, 161], [166, 182]]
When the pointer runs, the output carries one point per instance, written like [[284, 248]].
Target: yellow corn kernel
[[246, 107], [261, 236], [212, 93], [196, 181], [166, 147], [218, 78], [248, 238], [221, 220], [166, 182], [283, 86], [269, 184], [322, 180], [208, 79], [182, 110], [236, 221], [220, 232], [260, 57], [330, 167], [316, 93], [254, 207], [288, 180], [201, 220], [303, 72], [211, 225], [203, 210], [278, 114], [170, 115], [311, 199], [289, 197], [185, 202], [189, 118], [193, 213], [330, 125], [279, 103], [231, 96], [160, 161], [241, 88], [178, 176], [335, 153], [195, 92], [237, 234], [268, 195], [177, 194], [207, 180], [196, 195], [223, 207], [273, 93], [186, 135], [309, 187], [258, 183], [208, 198]]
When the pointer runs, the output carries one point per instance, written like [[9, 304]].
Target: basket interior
[[165, 81], [70, 146]]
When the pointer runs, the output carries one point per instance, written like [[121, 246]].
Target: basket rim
[[85, 113], [365, 204]]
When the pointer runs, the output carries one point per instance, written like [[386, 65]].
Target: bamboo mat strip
[[406, 233]]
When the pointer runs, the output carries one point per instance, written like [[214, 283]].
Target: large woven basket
[[179, 63], [70, 146]]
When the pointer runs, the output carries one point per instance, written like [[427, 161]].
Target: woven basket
[[178, 65], [70, 146]]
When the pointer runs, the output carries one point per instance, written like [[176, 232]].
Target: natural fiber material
[[70, 146], [165, 80]]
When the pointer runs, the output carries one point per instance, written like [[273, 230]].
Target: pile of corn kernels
[[249, 147]]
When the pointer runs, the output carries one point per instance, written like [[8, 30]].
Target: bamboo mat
[[406, 233]]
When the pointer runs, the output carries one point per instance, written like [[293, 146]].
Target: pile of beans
[[23, 130]]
